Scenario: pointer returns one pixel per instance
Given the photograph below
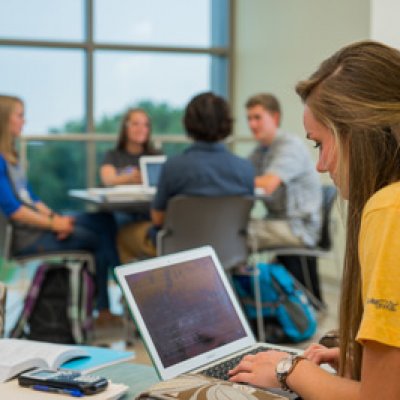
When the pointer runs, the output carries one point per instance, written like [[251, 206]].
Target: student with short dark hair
[[206, 167]]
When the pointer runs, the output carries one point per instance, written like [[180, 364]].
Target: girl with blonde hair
[[37, 228], [352, 113]]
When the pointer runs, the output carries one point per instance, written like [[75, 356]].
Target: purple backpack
[[59, 304]]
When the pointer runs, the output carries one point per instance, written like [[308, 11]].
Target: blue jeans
[[93, 232], [124, 218]]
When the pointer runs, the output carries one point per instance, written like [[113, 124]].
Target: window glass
[[42, 19], [54, 168], [160, 83], [50, 81], [101, 150], [154, 22]]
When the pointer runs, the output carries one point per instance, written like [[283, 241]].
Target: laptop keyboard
[[220, 371]]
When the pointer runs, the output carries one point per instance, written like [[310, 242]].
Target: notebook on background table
[[187, 312]]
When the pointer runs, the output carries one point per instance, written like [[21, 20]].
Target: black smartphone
[[66, 382]]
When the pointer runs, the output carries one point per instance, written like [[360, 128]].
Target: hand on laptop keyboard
[[220, 371]]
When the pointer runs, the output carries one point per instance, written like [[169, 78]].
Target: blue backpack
[[281, 298]]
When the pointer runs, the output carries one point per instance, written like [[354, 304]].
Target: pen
[[71, 392]]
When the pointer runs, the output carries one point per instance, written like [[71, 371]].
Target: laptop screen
[[153, 173], [186, 309], [151, 167]]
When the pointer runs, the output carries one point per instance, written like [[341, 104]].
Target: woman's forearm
[[311, 382], [43, 209], [30, 217]]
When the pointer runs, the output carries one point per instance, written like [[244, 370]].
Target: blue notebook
[[98, 357]]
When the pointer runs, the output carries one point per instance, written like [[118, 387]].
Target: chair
[[6, 234], [323, 247], [3, 295], [217, 221]]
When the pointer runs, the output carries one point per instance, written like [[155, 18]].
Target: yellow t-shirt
[[379, 253]]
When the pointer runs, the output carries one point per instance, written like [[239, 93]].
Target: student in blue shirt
[[205, 168], [37, 228]]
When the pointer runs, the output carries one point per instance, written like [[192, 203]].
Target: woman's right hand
[[110, 176], [135, 176], [62, 225], [319, 354]]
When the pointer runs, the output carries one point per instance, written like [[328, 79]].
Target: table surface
[[129, 202], [137, 377]]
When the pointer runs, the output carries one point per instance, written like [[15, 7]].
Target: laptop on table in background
[[187, 313], [150, 168]]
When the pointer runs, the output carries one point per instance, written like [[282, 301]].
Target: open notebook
[[186, 311]]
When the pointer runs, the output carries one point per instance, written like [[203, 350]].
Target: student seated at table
[[121, 164], [285, 172], [352, 114], [206, 168], [37, 228]]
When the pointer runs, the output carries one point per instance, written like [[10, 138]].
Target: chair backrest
[[329, 193], [3, 293], [5, 237], [220, 222]]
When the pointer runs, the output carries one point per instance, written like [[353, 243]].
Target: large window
[[149, 22], [79, 64], [122, 79], [47, 20], [50, 81]]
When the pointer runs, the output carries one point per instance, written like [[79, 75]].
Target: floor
[[327, 319]]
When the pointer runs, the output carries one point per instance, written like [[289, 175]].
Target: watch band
[[282, 376]]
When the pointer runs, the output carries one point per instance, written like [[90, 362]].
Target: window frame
[[221, 67]]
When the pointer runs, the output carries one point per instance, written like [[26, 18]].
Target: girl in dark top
[[37, 228], [121, 165]]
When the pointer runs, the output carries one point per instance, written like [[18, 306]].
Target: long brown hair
[[123, 132], [7, 147], [356, 94]]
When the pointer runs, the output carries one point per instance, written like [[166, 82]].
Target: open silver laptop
[[186, 311], [150, 168]]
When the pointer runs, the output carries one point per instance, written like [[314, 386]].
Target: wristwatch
[[284, 368]]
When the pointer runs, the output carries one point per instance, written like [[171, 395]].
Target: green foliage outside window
[[56, 167]]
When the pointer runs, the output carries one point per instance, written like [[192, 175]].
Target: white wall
[[277, 43], [385, 25]]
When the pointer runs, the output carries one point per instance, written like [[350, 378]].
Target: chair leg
[[308, 288], [256, 288], [258, 301]]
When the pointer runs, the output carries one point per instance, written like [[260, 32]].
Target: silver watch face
[[284, 365]]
